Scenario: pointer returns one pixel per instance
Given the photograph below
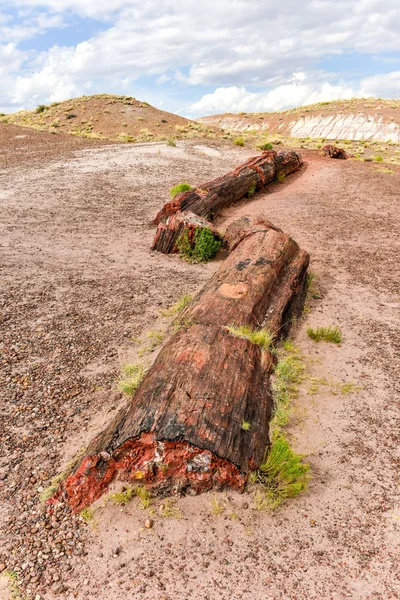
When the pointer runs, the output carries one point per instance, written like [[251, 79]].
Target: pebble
[[149, 523]]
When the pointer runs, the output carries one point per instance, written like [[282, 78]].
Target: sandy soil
[[80, 286]]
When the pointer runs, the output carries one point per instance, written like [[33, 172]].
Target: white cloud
[[387, 85], [238, 99], [232, 46]]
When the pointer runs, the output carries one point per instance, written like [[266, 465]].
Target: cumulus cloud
[[295, 93], [233, 47], [387, 85]]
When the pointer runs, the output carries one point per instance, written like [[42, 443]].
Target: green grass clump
[[282, 474], [180, 187], [216, 507], [239, 142], [252, 191], [87, 514], [245, 426], [281, 178], [202, 249], [265, 146], [312, 288], [171, 142], [328, 334], [143, 495], [41, 108], [289, 373], [132, 375], [261, 337], [122, 497], [378, 158], [178, 306]]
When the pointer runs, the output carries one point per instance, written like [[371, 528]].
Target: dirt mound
[[356, 119], [108, 117]]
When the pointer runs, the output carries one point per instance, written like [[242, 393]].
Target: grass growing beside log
[[261, 337], [177, 307], [179, 187], [132, 375], [328, 334], [283, 474], [203, 249]]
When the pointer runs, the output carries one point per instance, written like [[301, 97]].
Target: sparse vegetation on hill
[[110, 117]]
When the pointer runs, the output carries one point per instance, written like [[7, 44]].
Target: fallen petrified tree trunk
[[169, 233], [184, 427], [210, 198]]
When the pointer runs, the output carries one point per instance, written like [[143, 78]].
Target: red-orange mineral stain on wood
[[233, 291], [160, 465]]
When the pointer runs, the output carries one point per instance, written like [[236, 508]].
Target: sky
[[199, 57]]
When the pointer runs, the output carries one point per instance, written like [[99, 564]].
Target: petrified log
[[334, 152], [168, 233], [210, 198], [258, 284], [183, 427]]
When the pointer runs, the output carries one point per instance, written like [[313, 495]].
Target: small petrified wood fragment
[[334, 152], [168, 233], [208, 199], [184, 426]]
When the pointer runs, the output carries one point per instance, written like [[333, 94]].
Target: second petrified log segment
[[184, 426], [258, 284], [208, 199]]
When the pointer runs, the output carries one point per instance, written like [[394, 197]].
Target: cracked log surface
[[182, 430], [208, 199]]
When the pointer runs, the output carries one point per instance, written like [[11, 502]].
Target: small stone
[[149, 523], [2, 567], [245, 505]]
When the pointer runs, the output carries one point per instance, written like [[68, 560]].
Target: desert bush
[[202, 249], [180, 187]]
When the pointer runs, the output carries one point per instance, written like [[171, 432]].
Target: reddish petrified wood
[[183, 427], [258, 284], [334, 152], [208, 199], [168, 233]]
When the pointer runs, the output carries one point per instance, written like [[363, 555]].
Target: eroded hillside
[[356, 119]]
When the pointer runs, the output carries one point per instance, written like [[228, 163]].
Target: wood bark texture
[[208, 199], [183, 429]]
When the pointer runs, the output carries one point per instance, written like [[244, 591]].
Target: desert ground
[[81, 294]]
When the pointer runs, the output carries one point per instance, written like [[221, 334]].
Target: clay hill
[[373, 119], [109, 117]]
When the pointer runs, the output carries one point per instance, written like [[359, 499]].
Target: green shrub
[[265, 146], [41, 108], [70, 116], [202, 249], [378, 159], [180, 187], [171, 142], [281, 178], [239, 142]]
